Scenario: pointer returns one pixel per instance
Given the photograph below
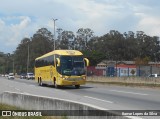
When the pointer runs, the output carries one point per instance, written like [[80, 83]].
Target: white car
[[30, 76], [6, 75], [11, 76], [154, 75]]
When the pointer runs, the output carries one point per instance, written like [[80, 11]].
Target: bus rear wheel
[[77, 86], [40, 83]]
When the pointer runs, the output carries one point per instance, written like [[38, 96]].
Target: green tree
[[59, 38], [42, 42], [67, 41], [83, 36], [111, 46], [21, 54], [3, 65], [94, 56], [142, 61]]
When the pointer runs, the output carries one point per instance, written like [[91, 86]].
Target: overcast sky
[[22, 18]]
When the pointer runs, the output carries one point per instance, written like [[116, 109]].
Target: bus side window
[[36, 63], [42, 62], [51, 60], [45, 62]]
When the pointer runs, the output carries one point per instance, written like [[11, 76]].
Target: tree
[[21, 53], [147, 46], [2, 61], [111, 46], [59, 37], [94, 56], [67, 41], [83, 36], [42, 42], [142, 61]]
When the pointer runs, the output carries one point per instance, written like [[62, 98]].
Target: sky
[[22, 18]]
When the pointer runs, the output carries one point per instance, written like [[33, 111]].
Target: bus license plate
[[74, 83]]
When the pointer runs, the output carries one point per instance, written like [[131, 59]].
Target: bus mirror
[[86, 61], [58, 62]]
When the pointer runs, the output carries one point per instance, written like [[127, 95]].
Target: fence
[[141, 71]]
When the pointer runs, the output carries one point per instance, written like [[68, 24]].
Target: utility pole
[[28, 57], [54, 33], [13, 66]]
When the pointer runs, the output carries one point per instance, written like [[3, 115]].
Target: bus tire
[[55, 84], [40, 83], [77, 86]]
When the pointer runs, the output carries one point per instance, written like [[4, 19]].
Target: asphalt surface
[[105, 96]]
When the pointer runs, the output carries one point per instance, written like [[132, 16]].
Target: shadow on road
[[68, 87]]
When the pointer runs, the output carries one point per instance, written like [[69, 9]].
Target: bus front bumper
[[73, 81]]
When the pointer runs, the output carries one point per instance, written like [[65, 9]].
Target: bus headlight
[[64, 78], [84, 78]]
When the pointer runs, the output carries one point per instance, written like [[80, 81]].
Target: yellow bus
[[61, 68]]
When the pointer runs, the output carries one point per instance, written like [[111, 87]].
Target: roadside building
[[126, 68], [123, 68]]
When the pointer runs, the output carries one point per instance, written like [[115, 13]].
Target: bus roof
[[61, 52]]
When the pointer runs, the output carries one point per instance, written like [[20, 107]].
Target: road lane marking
[[98, 99], [129, 92]]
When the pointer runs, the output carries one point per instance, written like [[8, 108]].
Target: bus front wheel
[[77, 86], [55, 84]]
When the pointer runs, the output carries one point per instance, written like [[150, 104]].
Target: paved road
[[104, 96]]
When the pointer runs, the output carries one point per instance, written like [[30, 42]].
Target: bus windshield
[[71, 65]]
